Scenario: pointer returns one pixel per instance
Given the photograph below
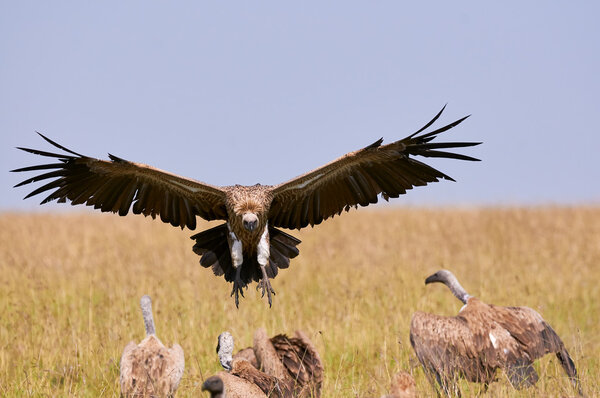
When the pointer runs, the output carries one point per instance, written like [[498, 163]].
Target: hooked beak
[[433, 278], [250, 221]]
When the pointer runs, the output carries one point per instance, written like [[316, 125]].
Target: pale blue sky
[[264, 91]]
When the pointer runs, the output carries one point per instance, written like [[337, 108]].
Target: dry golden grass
[[70, 287]]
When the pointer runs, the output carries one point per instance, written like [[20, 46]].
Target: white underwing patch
[[235, 246], [191, 189], [263, 247], [305, 183], [493, 339]]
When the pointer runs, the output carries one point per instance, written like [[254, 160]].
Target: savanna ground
[[70, 287]]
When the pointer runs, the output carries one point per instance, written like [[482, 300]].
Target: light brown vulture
[[149, 369], [403, 386], [292, 359], [248, 246], [481, 339], [225, 385]]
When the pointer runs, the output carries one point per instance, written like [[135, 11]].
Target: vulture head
[[214, 385], [250, 221], [225, 350], [447, 278], [249, 208], [442, 276]]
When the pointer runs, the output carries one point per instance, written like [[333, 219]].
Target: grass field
[[70, 287]]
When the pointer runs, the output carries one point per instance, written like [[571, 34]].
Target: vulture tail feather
[[213, 248], [284, 243]]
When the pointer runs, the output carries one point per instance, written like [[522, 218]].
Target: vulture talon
[[238, 287], [265, 285]]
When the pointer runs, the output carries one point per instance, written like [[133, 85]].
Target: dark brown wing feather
[[118, 185], [536, 338], [302, 361], [357, 178], [270, 385]]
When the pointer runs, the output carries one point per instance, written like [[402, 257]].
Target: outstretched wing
[[118, 185], [535, 338], [357, 178]]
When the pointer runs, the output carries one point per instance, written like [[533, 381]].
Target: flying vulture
[[481, 339], [248, 246], [150, 369]]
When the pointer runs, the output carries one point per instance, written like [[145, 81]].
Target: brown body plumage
[[481, 339], [226, 385], [280, 366], [403, 386], [240, 371], [248, 247], [150, 369], [302, 363]]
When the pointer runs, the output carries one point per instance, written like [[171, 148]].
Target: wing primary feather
[[449, 155], [428, 123], [89, 187], [40, 177], [47, 154], [442, 129], [43, 188], [58, 145], [39, 167]]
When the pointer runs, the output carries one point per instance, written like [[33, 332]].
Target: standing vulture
[[481, 339], [248, 246], [150, 369]]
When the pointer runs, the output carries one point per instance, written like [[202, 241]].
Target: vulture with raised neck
[[481, 339], [150, 369]]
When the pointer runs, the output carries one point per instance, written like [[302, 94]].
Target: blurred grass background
[[70, 286]]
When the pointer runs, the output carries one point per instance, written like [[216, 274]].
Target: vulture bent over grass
[[280, 366], [149, 369], [248, 246], [242, 378], [481, 339]]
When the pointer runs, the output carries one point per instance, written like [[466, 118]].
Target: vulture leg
[[238, 286], [448, 385], [265, 285], [263, 254]]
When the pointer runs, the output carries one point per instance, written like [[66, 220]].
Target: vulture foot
[[265, 285], [238, 287]]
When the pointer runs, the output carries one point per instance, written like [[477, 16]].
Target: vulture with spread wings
[[248, 246]]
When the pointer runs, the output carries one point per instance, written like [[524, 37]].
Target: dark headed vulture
[[150, 369], [248, 246], [481, 339]]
